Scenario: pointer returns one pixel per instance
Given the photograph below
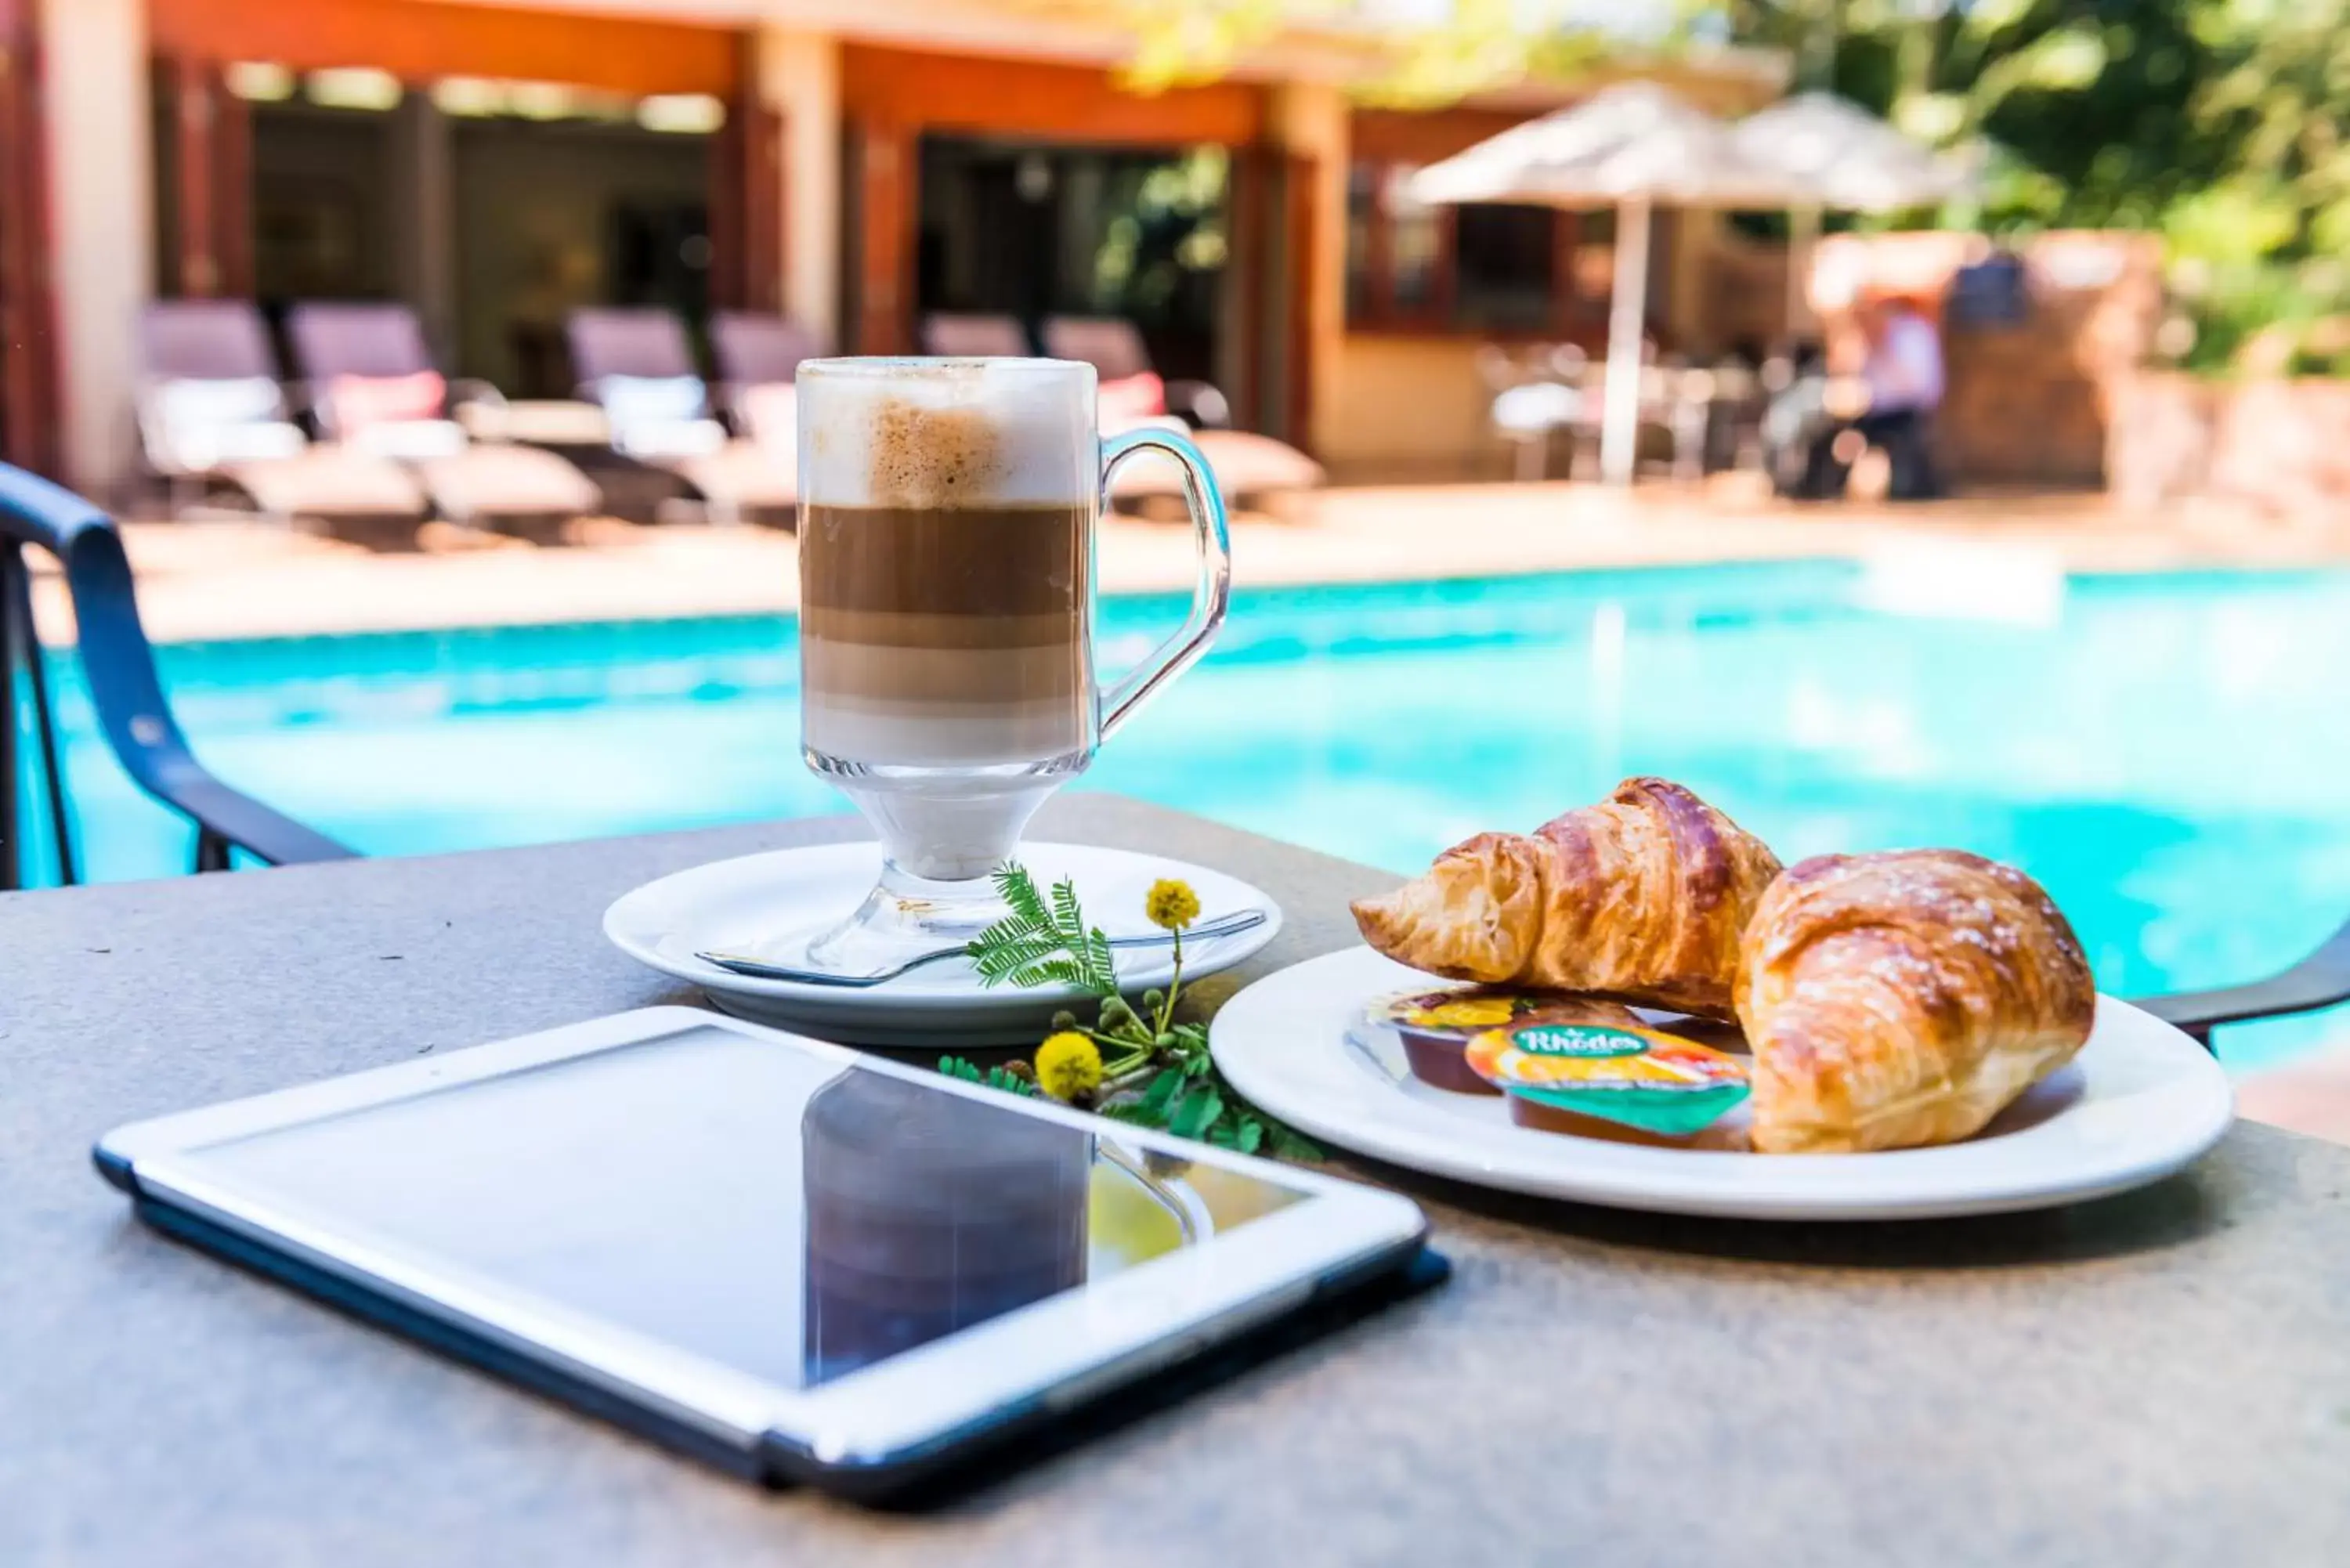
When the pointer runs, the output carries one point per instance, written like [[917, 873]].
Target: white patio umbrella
[[1832, 153], [1628, 147]]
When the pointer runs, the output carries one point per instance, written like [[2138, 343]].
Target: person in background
[[1902, 370], [1796, 421]]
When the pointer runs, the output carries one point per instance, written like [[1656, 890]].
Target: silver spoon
[[760, 969]]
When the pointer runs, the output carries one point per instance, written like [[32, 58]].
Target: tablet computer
[[795, 1260]]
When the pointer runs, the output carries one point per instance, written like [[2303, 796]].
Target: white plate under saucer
[[2140, 1102], [741, 905]]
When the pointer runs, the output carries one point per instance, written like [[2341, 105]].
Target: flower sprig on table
[[1137, 1066]]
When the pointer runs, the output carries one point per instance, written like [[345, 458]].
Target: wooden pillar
[[747, 207], [193, 87], [424, 205], [763, 207], [727, 219], [231, 192], [759, 193], [1278, 248], [207, 174], [29, 432], [1312, 125], [1243, 370], [1305, 262], [886, 176]]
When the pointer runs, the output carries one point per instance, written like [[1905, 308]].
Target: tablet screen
[[757, 1204]]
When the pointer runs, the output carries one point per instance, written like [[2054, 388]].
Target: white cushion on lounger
[[655, 417], [200, 425]]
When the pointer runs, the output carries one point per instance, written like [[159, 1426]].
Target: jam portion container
[[1561, 1077], [1435, 1027]]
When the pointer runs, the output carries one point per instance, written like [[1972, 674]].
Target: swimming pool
[[2164, 752]]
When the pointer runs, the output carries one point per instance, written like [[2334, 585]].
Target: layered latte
[[945, 574]]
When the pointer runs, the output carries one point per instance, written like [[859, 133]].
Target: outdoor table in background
[[2162, 1378]]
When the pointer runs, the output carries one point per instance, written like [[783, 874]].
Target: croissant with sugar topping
[[1640, 899], [1893, 1001]]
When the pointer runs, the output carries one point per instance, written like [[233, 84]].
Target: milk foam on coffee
[[945, 567], [948, 433]]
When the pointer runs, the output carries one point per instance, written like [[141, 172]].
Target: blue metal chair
[[2321, 980], [119, 667]]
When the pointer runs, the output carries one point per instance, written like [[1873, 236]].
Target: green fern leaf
[[1041, 941], [1016, 942], [1068, 920], [1018, 891], [1103, 980], [1058, 969], [997, 959]]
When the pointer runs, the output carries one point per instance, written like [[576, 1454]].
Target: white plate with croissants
[[1636, 1006]]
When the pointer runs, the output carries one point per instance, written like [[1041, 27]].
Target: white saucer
[[736, 905], [2140, 1101]]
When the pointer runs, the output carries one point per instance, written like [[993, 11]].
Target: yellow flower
[[1068, 1066], [1171, 905]]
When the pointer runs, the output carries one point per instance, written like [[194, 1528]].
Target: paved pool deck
[[234, 578]]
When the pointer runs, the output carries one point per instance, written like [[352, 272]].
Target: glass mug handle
[[1214, 590]]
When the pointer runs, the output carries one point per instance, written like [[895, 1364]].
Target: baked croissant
[[1639, 900], [1897, 1000]]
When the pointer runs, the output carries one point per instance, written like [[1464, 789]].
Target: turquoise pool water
[[2167, 752]]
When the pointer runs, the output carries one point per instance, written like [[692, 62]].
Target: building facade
[[856, 163]]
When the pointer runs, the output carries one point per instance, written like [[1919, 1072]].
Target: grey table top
[[2161, 1378]]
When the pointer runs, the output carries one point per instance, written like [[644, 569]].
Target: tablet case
[[950, 1466]]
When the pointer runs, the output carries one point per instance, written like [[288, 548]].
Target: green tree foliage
[[2223, 124], [2086, 112], [1438, 58], [2281, 106], [2219, 123]]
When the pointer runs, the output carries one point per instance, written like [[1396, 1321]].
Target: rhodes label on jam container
[[1640, 1079]]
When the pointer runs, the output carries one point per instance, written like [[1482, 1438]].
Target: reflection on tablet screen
[[753, 1203]]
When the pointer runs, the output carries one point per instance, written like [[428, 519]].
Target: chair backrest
[[204, 340], [339, 338], [371, 377], [974, 337], [754, 348], [641, 341], [1108, 343], [119, 671]]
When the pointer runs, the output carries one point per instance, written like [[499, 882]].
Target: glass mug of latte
[[947, 675]]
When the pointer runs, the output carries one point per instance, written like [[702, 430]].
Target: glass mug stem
[[948, 679]]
